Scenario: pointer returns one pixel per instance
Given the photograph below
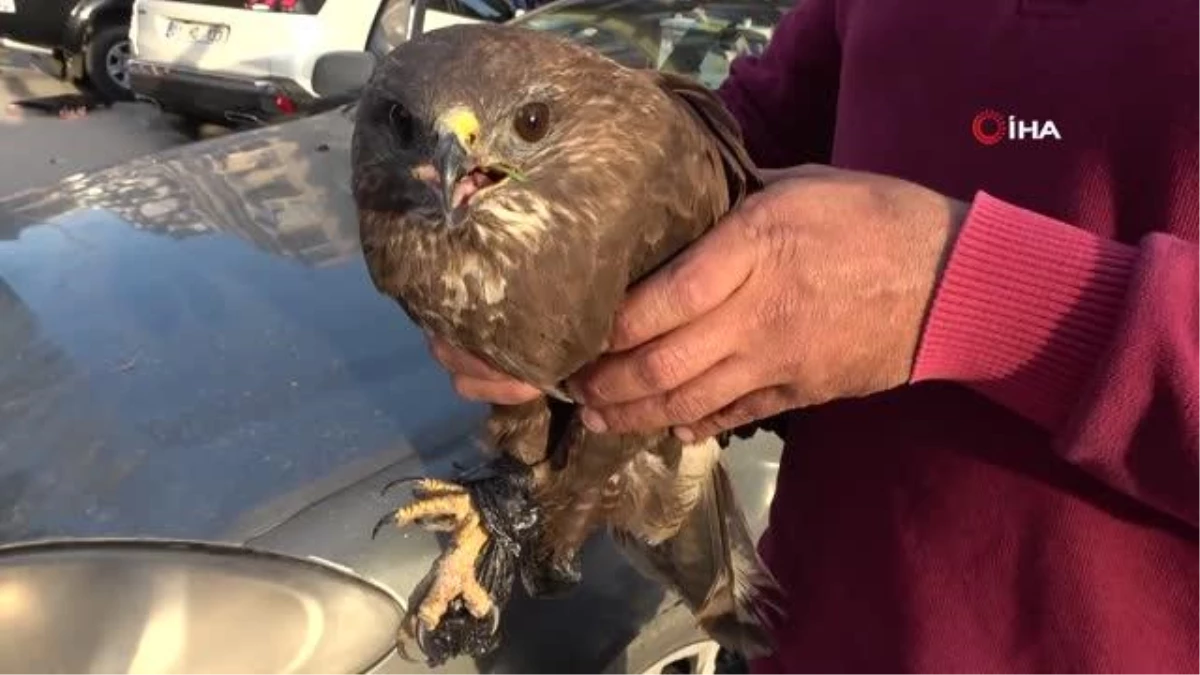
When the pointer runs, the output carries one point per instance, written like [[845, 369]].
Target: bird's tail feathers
[[713, 564], [742, 594]]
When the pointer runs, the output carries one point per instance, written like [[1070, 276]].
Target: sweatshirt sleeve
[[785, 99], [1092, 339]]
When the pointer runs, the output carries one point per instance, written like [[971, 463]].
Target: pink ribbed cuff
[[1024, 310]]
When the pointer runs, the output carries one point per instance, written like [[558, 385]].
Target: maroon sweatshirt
[[1029, 502]]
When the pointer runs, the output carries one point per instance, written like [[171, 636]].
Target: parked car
[[194, 350], [688, 38], [251, 61], [88, 39]]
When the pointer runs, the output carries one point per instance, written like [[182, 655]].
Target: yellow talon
[[433, 486], [455, 576], [442, 505], [453, 506]]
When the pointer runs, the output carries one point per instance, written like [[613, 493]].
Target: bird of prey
[[511, 186]]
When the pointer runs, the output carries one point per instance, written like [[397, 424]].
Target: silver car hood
[[192, 336]]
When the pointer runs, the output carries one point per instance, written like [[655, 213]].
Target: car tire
[[673, 643], [105, 61]]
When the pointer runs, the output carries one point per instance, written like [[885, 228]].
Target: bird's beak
[[450, 158], [458, 131]]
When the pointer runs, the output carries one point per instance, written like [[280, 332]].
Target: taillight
[[285, 104]]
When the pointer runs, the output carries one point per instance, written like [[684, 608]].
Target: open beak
[[452, 162]]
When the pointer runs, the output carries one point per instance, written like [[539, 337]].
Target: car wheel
[[106, 62], [673, 644]]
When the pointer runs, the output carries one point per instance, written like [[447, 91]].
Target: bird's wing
[[741, 174], [740, 171]]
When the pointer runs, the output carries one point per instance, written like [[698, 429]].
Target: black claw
[[421, 643], [393, 483], [379, 525], [495, 615]]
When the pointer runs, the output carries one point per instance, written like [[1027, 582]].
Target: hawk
[[511, 186]]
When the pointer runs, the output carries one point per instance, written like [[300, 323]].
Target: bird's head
[[481, 125], [470, 159]]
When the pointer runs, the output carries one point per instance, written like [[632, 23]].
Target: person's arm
[[1093, 340], [785, 99]]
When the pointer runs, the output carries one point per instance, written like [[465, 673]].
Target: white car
[[250, 61]]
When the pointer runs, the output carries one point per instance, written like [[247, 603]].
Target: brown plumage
[[511, 186]]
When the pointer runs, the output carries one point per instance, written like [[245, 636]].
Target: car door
[[36, 22]]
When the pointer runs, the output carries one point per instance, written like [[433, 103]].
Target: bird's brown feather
[[636, 167]]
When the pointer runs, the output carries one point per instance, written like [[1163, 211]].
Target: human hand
[[815, 289], [475, 380]]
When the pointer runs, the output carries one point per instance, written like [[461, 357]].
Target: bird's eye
[[402, 123], [532, 122]]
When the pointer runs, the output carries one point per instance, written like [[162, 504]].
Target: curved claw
[[421, 638], [387, 518], [495, 614], [399, 481], [406, 639]]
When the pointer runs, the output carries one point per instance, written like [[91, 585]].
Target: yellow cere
[[462, 123]]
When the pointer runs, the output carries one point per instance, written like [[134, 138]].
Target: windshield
[[689, 37]]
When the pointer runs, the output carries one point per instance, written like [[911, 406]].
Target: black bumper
[[219, 98]]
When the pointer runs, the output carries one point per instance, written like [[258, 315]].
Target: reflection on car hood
[[191, 335]]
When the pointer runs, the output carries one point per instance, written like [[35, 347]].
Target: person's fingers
[[699, 279], [752, 407], [695, 400], [663, 364], [460, 363], [476, 380], [500, 392]]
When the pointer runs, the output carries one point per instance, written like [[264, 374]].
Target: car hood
[[191, 339]]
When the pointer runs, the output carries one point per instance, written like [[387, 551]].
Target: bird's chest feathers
[[532, 306], [460, 291]]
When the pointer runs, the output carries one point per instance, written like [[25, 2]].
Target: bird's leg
[[445, 506], [494, 526]]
